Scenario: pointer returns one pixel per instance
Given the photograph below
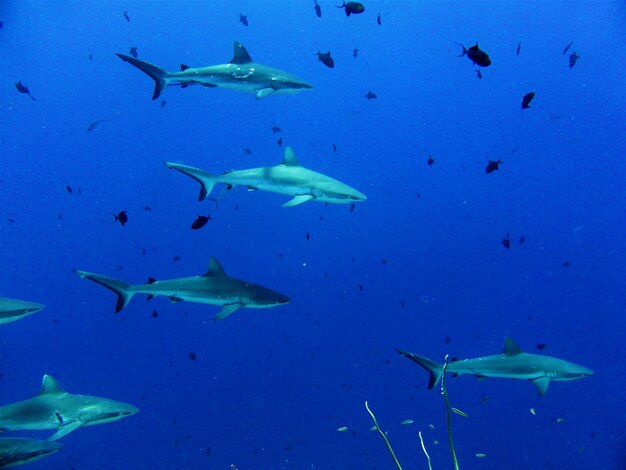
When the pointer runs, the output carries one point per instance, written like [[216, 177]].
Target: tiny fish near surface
[[476, 55], [371, 96], [573, 58], [122, 218], [528, 97], [318, 9], [326, 59], [492, 165], [352, 7], [243, 19]]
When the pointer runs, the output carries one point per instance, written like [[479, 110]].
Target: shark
[[513, 363], [12, 309], [240, 74], [16, 451], [288, 178], [214, 287], [54, 408]]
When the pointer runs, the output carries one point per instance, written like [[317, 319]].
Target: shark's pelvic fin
[[50, 385], [431, 366], [215, 268], [202, 177], [301, 199], [227, 310], [157, 74], [123, 290], [240, 55], [289, 158], [511, 348]]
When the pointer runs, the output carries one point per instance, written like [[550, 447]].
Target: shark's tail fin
[[431, 366], [157, 74], [207, 183], [123, 290]]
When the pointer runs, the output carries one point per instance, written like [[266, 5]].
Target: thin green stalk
[[384, 437], [424, 450], [448, 417]]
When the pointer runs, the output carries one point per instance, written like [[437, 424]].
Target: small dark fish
[[24, 89], [10, 220], [90, 56], [318, 9], [360, 287], [176, 258], [519, 48], [522, 239], [334, 147], [476, 55], [247, 151], [243, 19], [352, 7], [541, 346], [94, 125], [403, 303], [492, 166], [163, 103], [133, 51], [1, 25], [371, 96], [127, 16], [528, 97], [447, 340], [279, 141], [143, 251], [155, 314], [355, 53], [506, 241], [200, 222], [352, 207], [147, 208], [567, 48], [122, 218], [479, 74], [69, 189], [326, 59], [573, 58], [378, 20], [430, 160], [276, 129], [384, 261], [308, 236], [193, 356], [566, 264]]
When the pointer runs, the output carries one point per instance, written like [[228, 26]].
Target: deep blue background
[[270, 387]]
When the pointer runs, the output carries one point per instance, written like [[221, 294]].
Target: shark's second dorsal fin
[[215, 268], [240, 55], [50, 385], [290, 158], [511, 348]]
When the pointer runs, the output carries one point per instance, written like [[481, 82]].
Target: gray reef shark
[[213, 288], [11, 309], [513, 363], [240, 74], [288, 178], [54, 408], [18, 450]]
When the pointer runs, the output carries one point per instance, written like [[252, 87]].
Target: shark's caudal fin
[[202, 177], [123, 290], [157, 74], [431, 366]]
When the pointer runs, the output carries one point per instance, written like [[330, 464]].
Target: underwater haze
[[442, 257]]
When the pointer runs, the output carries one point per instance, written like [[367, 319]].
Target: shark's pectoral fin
[[542, 384], [65, 430], [301, 199], [227, 310], [263, 92]]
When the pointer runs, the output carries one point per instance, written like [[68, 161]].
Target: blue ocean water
[[419, 265]]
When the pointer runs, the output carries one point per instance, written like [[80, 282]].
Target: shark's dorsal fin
[[511, 348], [50, 385], [290, 158], [215, 268], [183, 67], [240, 55]]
